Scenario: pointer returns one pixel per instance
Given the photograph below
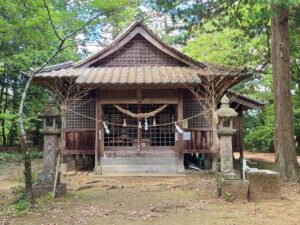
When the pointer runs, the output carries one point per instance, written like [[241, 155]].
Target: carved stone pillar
[[228, 182], [51, 133], [225, 131]]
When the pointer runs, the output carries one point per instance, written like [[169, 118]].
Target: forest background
[[230, 32]]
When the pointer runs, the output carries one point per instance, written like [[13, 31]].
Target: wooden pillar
[[63, 130], [99, 136], [179, 145], [101, 129], [241, 131], [139, 131]]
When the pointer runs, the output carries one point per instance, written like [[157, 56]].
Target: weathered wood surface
[[179, 142], [129, 152], [237, 138], [145, 96], [80, 141], [201, 141]]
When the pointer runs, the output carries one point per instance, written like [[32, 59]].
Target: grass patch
[[21, 205]]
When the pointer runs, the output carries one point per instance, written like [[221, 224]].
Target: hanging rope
[[154, 125], [140, 115]]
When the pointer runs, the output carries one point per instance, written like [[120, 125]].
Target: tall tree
[[253, 19], [284, 143]]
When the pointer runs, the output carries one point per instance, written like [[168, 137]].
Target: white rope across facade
[[140, 115], [136, 126]]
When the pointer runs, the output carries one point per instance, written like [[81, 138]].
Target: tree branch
[[51, 21]]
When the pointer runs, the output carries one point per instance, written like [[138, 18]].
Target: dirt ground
[[262, 157], [189, 199]]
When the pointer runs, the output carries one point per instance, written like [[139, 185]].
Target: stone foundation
[[231, 183], [45, 177], [67, 166], [237, 188], [43, 189], [45, 184], [98, 170], [263, 184]]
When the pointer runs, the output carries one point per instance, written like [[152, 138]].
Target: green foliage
[[20, 205], [34, 153], [238, 33], [28, 40], [6, 157], [45, 199], [228, 196], [228, 46]]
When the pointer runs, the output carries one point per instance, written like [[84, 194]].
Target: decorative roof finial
[[225, 110]]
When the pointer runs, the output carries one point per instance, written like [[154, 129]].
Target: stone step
[[111, 169], [170, 160]]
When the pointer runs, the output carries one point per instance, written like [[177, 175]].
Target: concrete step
[[140, 161], [139, 165], [108, 169]]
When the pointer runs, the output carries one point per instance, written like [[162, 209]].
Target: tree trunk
[[15, 104], [3, 119], [3, 85], [284, 143], [215, 142], [24, 144]]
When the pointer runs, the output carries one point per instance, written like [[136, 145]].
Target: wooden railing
[[200, 141], [80, 141]]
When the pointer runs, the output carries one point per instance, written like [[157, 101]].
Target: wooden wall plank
[[180, 117]]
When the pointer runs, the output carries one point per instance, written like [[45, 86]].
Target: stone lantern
[[225, 131], [51, 132]]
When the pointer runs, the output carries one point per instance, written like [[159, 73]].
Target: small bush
[[45, 199], [18, 191], [6, 157], [228, 196], [34, 153], [21, 204]]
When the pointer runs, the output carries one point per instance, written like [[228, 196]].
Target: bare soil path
[[184, 200], [263, 157]]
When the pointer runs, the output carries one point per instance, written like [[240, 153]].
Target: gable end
[[138, 52]]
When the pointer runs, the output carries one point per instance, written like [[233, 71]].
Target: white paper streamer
[[154, 122], [146, 124], [178, 129], [124, 123], [106, 128]]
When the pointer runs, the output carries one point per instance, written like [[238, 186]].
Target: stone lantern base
[[45, 184], [230, 183]]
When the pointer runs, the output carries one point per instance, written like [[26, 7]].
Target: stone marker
[[46, 177], [225, 131], [228, 181], [263, 184], [237, 188]]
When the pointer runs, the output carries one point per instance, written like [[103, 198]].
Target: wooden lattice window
[[138, 51], [161, 135], [191, 107], [119, 135], [127, 136], [81, 114]]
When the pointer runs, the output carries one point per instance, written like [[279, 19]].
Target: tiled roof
[[129, 75], [246, 102], [63, 65], [139, 75]]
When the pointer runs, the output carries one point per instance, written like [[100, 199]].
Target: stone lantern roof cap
[[51, 109], [225, 110]]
